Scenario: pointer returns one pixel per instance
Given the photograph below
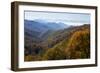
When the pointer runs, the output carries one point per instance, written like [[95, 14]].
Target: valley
[[55, 41]]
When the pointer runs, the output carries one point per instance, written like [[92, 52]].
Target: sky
[[64, 17]]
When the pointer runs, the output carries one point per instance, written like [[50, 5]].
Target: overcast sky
[[65, 17]]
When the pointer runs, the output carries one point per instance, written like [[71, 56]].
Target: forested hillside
[[69, 43]]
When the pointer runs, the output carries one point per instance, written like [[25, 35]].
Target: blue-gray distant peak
[[39, 28], [48, 24]]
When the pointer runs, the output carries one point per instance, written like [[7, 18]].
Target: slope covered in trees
[[70, 43]]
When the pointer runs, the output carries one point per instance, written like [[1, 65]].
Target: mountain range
[[39, 28]]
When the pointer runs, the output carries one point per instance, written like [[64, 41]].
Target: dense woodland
[[68, 43]]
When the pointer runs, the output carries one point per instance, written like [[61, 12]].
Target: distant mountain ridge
[[37, 28], [46, 24]]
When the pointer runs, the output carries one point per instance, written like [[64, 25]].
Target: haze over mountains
[[45, 24], [41, 27]]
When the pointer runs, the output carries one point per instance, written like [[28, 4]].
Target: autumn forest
[[55, 41]]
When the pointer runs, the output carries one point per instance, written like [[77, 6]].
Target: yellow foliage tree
[[54, 54], [79, 45]]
